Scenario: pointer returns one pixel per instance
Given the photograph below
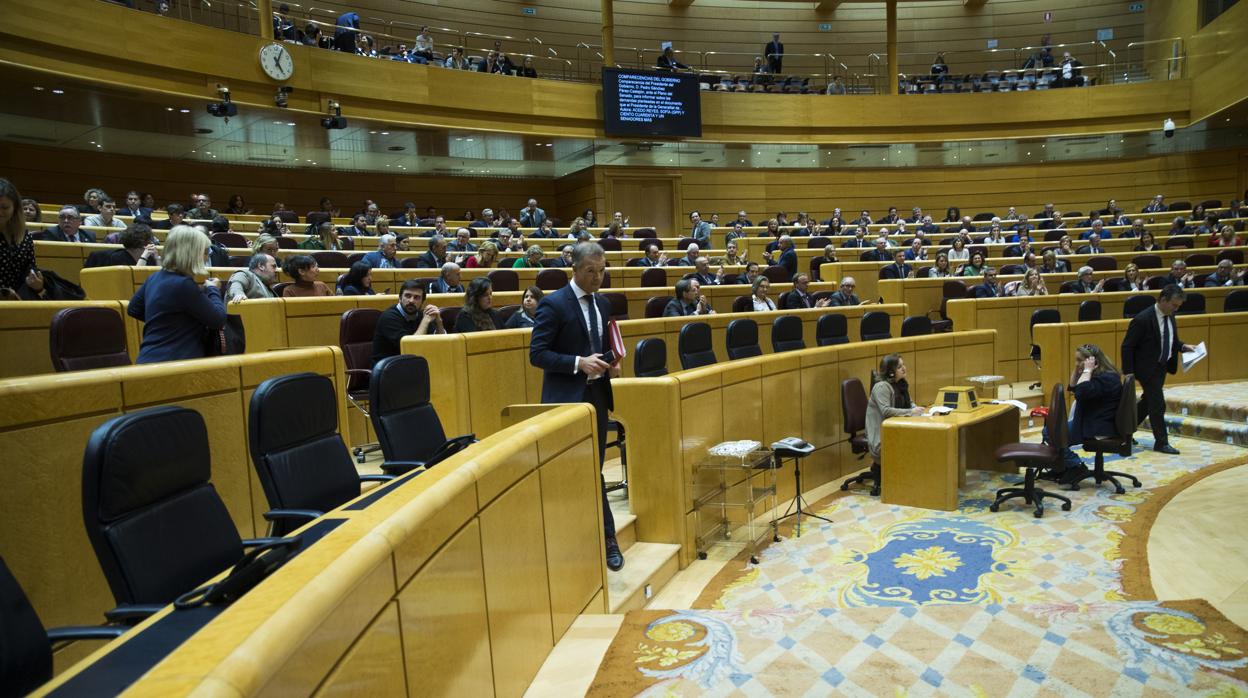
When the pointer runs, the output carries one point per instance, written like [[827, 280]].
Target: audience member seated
[[176, 215], [799, 298], [526, 316], [478, 313], [1179, 227], [916, 251], [1055, 222], [1097, 388], [880, 253], [174, 309], [989, 288], [688, 301], [667, 61], [358, 281], [1180, 276], [702, 272], [1030, 285], [1132, 280], [940, 268], [1093, 246], [1086, 283], [1147, 243], [321, 236], [203, 209], [256, 281], [30, 211], [386, 254], [105, 218], [410, 316], [975, 267], [752, 272], [759, 289], [134, 206], [1225, 275], [532, 259], [462, 241], [731, 258], [17, 249], [436, 256], [1157, 205], [844, 295], [67, 227], [90, 201], [898, 269], [138, 248], [304, 270], [1226, 237], [263, 243], [689, 259], [485, 258], [995, 236], [890, 397]]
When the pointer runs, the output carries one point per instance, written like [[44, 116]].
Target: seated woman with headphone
[[890, 397], [1097, 387]]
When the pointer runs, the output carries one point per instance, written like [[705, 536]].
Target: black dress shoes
[[615, 558], [1166, 448]]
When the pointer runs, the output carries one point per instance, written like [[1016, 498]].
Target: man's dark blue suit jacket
[[559, 337]]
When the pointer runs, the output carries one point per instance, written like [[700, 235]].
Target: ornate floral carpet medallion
[[889, 600]]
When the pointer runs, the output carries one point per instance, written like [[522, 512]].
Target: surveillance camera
[[1167, 127], [280, 98], [334, 122], [223, 109]]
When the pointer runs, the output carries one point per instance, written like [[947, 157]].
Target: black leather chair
[[1236, 256], [786, 334], [1089, 311], [1200, 259], [742, 339], [355, 339], [694, 345], [1125, 422], [777, 274], [1071, 286], [949, 290], [650, 358], [1155, 283], [831, 329], [1041, 316], [1035, 457], [1236, 302], [551, 279], [86, 338], [655, 306], [157, 525], [302, 462], [654, 277], [874, 326], [1135, 305], [330, 259], [1193, 304], [407, 426], [25, 646], [743, 304], [915, 326], [1102, 263], [504, 280], [619, 305], [854, 420], [1147, 261]]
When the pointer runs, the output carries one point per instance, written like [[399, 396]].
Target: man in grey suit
[[701, 232]]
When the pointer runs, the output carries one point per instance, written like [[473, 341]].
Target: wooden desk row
[[1225, 334], [672, 421]]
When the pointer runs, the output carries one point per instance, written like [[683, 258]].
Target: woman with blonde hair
[[941, 268], [486, 256], [267, 244], [758, 291], [1030, 285], [1132, 279], [176, 310], [326, 238]]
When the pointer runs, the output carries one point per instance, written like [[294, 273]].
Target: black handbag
[[230, 339]]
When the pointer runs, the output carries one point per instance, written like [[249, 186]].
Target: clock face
[[276, 62]]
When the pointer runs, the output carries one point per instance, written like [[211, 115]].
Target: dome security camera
[[1167, 127]]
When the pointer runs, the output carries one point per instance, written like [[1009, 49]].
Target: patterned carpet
[[1209, 411], [890, 599]]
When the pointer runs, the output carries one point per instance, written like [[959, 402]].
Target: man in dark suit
[[898, 269], [176, 214], [654, 258], [436, 256], [799, 298], [845, 296], [568, 343], [134, 206], [1093, 246], [788, 255], [1151, 350], [67, 228], [688, 301], [989, 288], [774, 51]]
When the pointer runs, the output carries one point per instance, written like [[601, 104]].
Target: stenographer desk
[[925, 458]]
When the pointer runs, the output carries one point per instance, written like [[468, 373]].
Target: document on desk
[[1021, 406], [937, 409], [1191, 358]]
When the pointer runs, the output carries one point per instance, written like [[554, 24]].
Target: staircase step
[[1207, 429], [1209, 402], [625, 529], [647, 568]]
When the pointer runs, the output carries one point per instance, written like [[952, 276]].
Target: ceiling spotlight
[[335, 120], [39, 88], [168, 108], [225, 108], [385, 133], [185, 111], [58, 91]]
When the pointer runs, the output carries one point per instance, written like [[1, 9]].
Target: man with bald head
[[845, 295]]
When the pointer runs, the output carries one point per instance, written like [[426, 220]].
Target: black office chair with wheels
[[1125, 423], [916, 326], [156, 523], [1035, 457], [1041, 316], [1089, 311], [650, 358], [786, 334], [874, 326], [302, 462], [25, 646], [694, 346], [854, 420], [831, 329], [742, 339], [1135, 305], [407, 426]]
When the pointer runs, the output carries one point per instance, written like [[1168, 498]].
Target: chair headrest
[[399, 382], [142, 457], [291, 409]]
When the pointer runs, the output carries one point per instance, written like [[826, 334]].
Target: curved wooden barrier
[[458, 581]]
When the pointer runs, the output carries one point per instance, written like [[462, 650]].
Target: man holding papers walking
[[1151, 350]]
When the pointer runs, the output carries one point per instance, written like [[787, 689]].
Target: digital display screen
[[651, 103]]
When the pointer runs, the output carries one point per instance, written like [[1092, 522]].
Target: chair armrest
[[85, 632], [131, 614], [256, 542], [376, 478], [292, 514], [361, 371], [400, 467]]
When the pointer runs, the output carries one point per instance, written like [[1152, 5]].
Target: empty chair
[[777, 274], [1193, 304], [1236, 301], [1181, 241], [1034, 457], [238, 261], [330, 259], [85, 338], [407, 263], [648, 233], [285, 243], [684, 243], [1148, 261], [619, 305], [1134, 305], [742, 339], [1181, 206], [1040, 316], [916, 325], [854, 420], [650, 358], [694, 345], [1155, 283], [25, 646], [1211, 203], [786, 334], [742, 304], [949, 290], [157, 525], [1089, 311], [355, 338], [233, 240], [407, 426], [504, 280], [551, 279], [654, 277], [1125, 422], [298, 454], [610, 244], [1200, 259], [1099, 263], [818, 242], [874, 326], [1236, 256], [831, 329], [655, 306]]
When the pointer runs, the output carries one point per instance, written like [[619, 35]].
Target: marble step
[[648, 567]]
